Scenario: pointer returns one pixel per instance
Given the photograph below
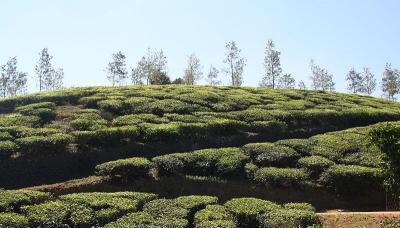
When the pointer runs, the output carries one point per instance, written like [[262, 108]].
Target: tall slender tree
[[286, 81], [321, 78], [390, 82], [354, 81], [368, 81], [212, 76], [44, 69], [235, 63], [272, 65], [12, 81], [302, 85], [116, 69], [193, 71]]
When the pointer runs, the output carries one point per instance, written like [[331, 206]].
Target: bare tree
[[153, 61], [390, 82], [116, 69], [57, 79], [321, 78], [212, 76], [354, 80], [368, 81], [12, 82], [48, 77], [235, 63], [286, 81], [302, 85], [272, 65], [193, 71]]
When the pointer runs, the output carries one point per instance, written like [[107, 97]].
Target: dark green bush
[[50, 214], [351, 180], [81, 216], [90, 102], [269, 154], [18, 120], [44, 144], [299, 145], [7, 148], [13, 220], [113, 106], [136, 119], [272, 176], [289, 218], [159, 107], [107, 136], [48, 105], [315, 165], [4, 136], [299, 206], [273, 127], [160, 132], [126, 168], [247, 210], [12, 200], [195, 202], [86, 124], [134, 220], [208, 162], [166, 209], [214, 216]]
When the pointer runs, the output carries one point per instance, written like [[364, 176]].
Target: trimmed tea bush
[[289, 218], [50, 214], [195, 203], [12, 200], [44, 144], [126, 168], [315, 165], [166, 209], [134, 220], [299, 145], [13, 220], [7, 148], [268, 154], [214, 216], [299, 206], [351, 180], [19, 120], [247, 210], [280, 176]]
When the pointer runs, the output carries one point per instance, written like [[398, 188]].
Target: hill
[[172, 141]]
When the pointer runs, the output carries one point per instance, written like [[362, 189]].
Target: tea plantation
[[149, 144]]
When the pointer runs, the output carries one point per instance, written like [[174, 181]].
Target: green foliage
[[195, 203], [166, 209], [208, 162], [350, 180], [214, 216], [386, 137], [88, 124], [19, 120], [50, 214], [290, 218], [299, 145], [44, 144], [134, 220], [126, 168], [280, 176], [268, 154], [299, 206], [247, 210], [136, 119], [113, 106], [5, 136], [13, 220], [315, 165], [107, 136], [7, 148], [12, 200]]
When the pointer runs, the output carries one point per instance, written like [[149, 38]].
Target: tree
[[193, 71], [235, 63], [354, 80], [48, 77], [178, 81], [368, 81], [44, 69], [390, 82], [302, 85], [286, 81], [159, 78], [272, 65], [321, 78], [212, 76], [148, 64], [12, 82], [116, 69]]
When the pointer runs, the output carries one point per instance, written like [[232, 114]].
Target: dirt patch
[[375, 219]]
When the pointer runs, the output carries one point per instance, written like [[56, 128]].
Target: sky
[[82, 35]]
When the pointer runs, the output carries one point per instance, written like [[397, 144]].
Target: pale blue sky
[[82, 35]]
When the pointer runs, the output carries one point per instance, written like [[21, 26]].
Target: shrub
[[48, 105], [299, 206], [86, 124], [44, 144], [45, 114], [18, 120], [195, 203], [126, 168], [289, 218], [136, 119], [315, 165], [81, 216], [250, 169], [134, 220], [165, 208], [12, 200], [160, 132], [50, 214], [113, 106], [214, 216], [90, 102], [351, 180], [159, 107], [247, 210], [208, 162], [4, 136], [107, 136], [13, 220], [280, 176], [268, 154], [299, 145], [7, 148], [275, 128]]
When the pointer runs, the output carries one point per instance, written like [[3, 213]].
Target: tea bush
[[44, 144], [272, 176], [126, 168], [268, 154], [214, 216], [13, 220], [50, 214], [7, 148], [12, 200], [315, 165]]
